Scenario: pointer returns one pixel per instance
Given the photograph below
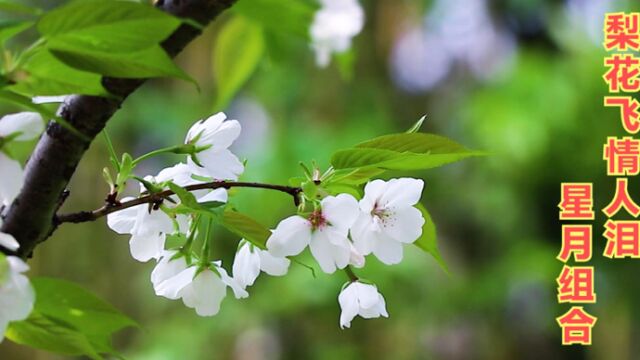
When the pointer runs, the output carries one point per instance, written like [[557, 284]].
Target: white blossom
[[11, 180], [16, 293], [388, 218], [169, 265], [22, 127], [7, 241], [360, 299], [28, 125], [201, 290], [147, 227], [325, 231], [333, 27], [250, 260], [181, 174], [217, 134]]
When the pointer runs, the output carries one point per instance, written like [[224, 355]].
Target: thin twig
[[85, 216]]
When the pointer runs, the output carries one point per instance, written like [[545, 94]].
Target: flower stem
[[153, 153], [206, 245], [352, 276]]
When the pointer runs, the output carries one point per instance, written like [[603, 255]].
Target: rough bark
[[58, 152]]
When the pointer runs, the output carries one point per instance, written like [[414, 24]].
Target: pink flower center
[[381, 216], [317, 220]]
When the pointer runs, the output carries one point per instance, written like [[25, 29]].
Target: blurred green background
[[519, 79]]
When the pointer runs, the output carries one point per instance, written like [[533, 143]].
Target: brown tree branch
[[58, 152], [86, 216]]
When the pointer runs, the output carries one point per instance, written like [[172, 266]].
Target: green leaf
[[25, 102], [49, 76], [246, 227], [71, 303], [415, 151], [355, 177], [41, 332], [290, 17], [145, 63], [237, 53], [428, 241], [17, 8], [11, 28], [189, 203], [416, 127], [108, 26], [126, 169], [69, 320]]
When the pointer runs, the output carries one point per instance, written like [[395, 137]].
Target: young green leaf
[[238, 51], [11, 28], [25, 102], [189, 202], [108, 26], [416, 127], [246, 227], [49, 76], [146, 63], [355, 176], [428, 241], [415, 151], [17, 8], [291, 17]]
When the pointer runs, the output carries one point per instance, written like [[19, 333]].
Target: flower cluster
[[339, 230], [333, 27], [16, 293], [200, 283]]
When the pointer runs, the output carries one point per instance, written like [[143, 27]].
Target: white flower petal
[[387, 250], [171, 287], [29, 124], [333, 26], [167, 268], [405, 224], [220, 165], [340, 211], [355, 258], [274, 266], [246, 265], [363, 234], [238, 291], [402, 192], [205, 293], [16, 293], [204, 126], [8, 242], [49, 99], [348, 301], [290, 237], [148, 223], [330, 249], [11, 180], [219, 195], [372, 193], [123, 221], [146, 247], [223, 137], [17, 265], [367, 294], [180, 174]]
